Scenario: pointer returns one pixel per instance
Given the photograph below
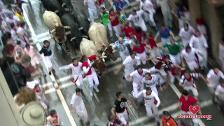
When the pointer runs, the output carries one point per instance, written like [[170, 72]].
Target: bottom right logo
[[194, 113]]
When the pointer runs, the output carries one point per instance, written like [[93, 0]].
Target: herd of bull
[[66, 31]]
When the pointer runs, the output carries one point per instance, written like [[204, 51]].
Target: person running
[[105, 20], [191, 57], [168, 120], [188, 82], [139, 49], [136, 77], [122, 46], [213, 77], [76, 68], [219, 92], [152, 81], [164, 33], [114, 19], [152, 103], [78, 106], [47, 53], [137, 18], [128, 30], [186, 33], [120, 108], [90, 73], [92, 10], [129, 64], [149, 11], [174, 50], [199, 42]]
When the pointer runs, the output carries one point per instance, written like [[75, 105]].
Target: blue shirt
[[164, 33], [119, 5]]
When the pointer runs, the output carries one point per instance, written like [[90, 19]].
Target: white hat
[[33, 114]]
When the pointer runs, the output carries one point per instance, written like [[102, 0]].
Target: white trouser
[[109, 26], [192, 89], [204, 54], [221, 60], [192, 65], [123, 117], [117, 30], [93, 81], [212, 88], [82, 113], [150, 17], [142, 25], [137, 88], [154, 53], [92, 14], [165, 41], [167, 18], [143, 57], [78, 80], [48, 62], [152, 111], [154, 89], [128, 71], [124, 54], [175, 59]]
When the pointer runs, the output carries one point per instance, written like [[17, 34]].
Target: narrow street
[[110, 83]]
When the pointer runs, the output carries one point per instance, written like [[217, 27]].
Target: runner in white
[[199, 42], [191, 57], [151, 81], [213, 77], [90, 73], [149, 11], [129, 64], [137, 18], [152, 103], [78, 106], [187, 81], [137, 77], [158, 71], [76, 68], [185, 33], [219, 92], [92, 9]]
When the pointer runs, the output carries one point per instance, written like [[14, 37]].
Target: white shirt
[[129, 62], [76, 70], [189, 57], [188, 83], [151, 83], [90, 3], [219, 91], [147, 5], [202, 29], [137, 19], [198, 42], [137, 78], [214, 78], [186, 35], [149, 99], [77, 103]]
